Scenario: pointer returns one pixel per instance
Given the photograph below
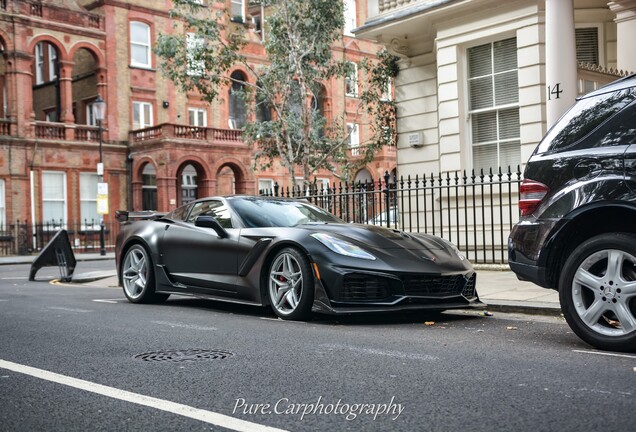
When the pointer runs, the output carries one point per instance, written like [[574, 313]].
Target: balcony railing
[[5, 127], [386, 5], [171, 130]]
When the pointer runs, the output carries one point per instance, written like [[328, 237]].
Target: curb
[[529, 308]]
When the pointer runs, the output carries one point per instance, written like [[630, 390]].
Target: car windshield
[[259, 212]]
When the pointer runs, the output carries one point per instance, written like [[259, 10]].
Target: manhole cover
[[183, 355]]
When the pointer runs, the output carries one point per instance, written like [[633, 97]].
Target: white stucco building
[[480, 81]]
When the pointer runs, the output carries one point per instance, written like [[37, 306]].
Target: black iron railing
[[22, 238], [474, 211]]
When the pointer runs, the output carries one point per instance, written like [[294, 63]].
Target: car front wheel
[[290, 285], [138, 278], [597, 290]]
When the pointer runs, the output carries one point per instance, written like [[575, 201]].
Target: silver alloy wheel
[[602, 289], [285, 283], [135, 272]]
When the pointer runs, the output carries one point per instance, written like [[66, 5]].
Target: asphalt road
[[68, 362]]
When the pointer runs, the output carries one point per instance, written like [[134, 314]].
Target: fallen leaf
[[429, 323]]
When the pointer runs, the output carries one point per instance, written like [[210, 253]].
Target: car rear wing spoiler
[[125, 215]]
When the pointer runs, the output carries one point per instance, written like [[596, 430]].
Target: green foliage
[[284, 121]]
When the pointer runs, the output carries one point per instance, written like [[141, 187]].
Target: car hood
[[379, 237]]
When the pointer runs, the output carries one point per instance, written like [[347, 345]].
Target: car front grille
[[361, 287], [438, 286]]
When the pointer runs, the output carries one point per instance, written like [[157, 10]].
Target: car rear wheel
[[597, 290], [138, 278], [291, 285]]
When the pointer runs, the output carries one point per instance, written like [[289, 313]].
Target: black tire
[[597, 290], [138, 277], [290, 285]]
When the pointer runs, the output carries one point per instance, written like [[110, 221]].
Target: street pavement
[[497, 287]]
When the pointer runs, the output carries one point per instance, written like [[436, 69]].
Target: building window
[[257, 11], [142, 115], [45, 62], [188, 185], [237, 106], [39, 63], [52, 63], [494, 105], [88, 201], [266, 186], [139, 44], [54, 199], [351, 80], [349, 16], [3, 207], [587, 45], [197, 117], [238, 10], [194, 46], [353, 132], [149, 188]]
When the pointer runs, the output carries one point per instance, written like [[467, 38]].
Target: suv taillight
[[530, 195]]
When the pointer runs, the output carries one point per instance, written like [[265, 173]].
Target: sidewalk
[[500, 290]]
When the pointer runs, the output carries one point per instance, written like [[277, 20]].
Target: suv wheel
[[597, 290]]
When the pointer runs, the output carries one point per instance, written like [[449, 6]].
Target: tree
[[284, 121]]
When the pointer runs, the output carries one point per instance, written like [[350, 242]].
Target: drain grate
[[187, 355]]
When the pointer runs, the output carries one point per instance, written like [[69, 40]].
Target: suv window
[[584, 118], [212, 208]]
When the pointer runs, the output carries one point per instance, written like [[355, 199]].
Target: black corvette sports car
[[288, 254]]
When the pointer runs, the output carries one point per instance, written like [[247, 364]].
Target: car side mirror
[[211, 222]]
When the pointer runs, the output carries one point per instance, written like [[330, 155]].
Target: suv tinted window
[[582, 119]]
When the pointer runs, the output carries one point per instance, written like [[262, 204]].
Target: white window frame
[[52, 62], [142, 122], [266, 184], [601, 38], [350, 21], [234, 6], [90, 199], [353, 137], [144, 44], [63, 200], [39, 63], [494, 108], [351, 81], [199, 115]]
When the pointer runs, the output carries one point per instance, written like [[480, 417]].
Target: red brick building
[[160, 147]]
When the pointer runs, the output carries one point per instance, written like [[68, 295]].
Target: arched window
[[237, 108], [188, 184], [149, 188]]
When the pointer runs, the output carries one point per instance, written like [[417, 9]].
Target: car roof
[[619, 84]]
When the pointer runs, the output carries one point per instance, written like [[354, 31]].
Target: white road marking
[[15, 278], [106, 300], [604, 354], [61, 308], [398, 354], [186, 326], [210, 417]]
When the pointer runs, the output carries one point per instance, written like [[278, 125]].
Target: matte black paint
[[195, 260]]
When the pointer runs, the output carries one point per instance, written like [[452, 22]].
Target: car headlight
[[342, 247]]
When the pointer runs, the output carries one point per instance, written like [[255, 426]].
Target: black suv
[[577, 232]]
